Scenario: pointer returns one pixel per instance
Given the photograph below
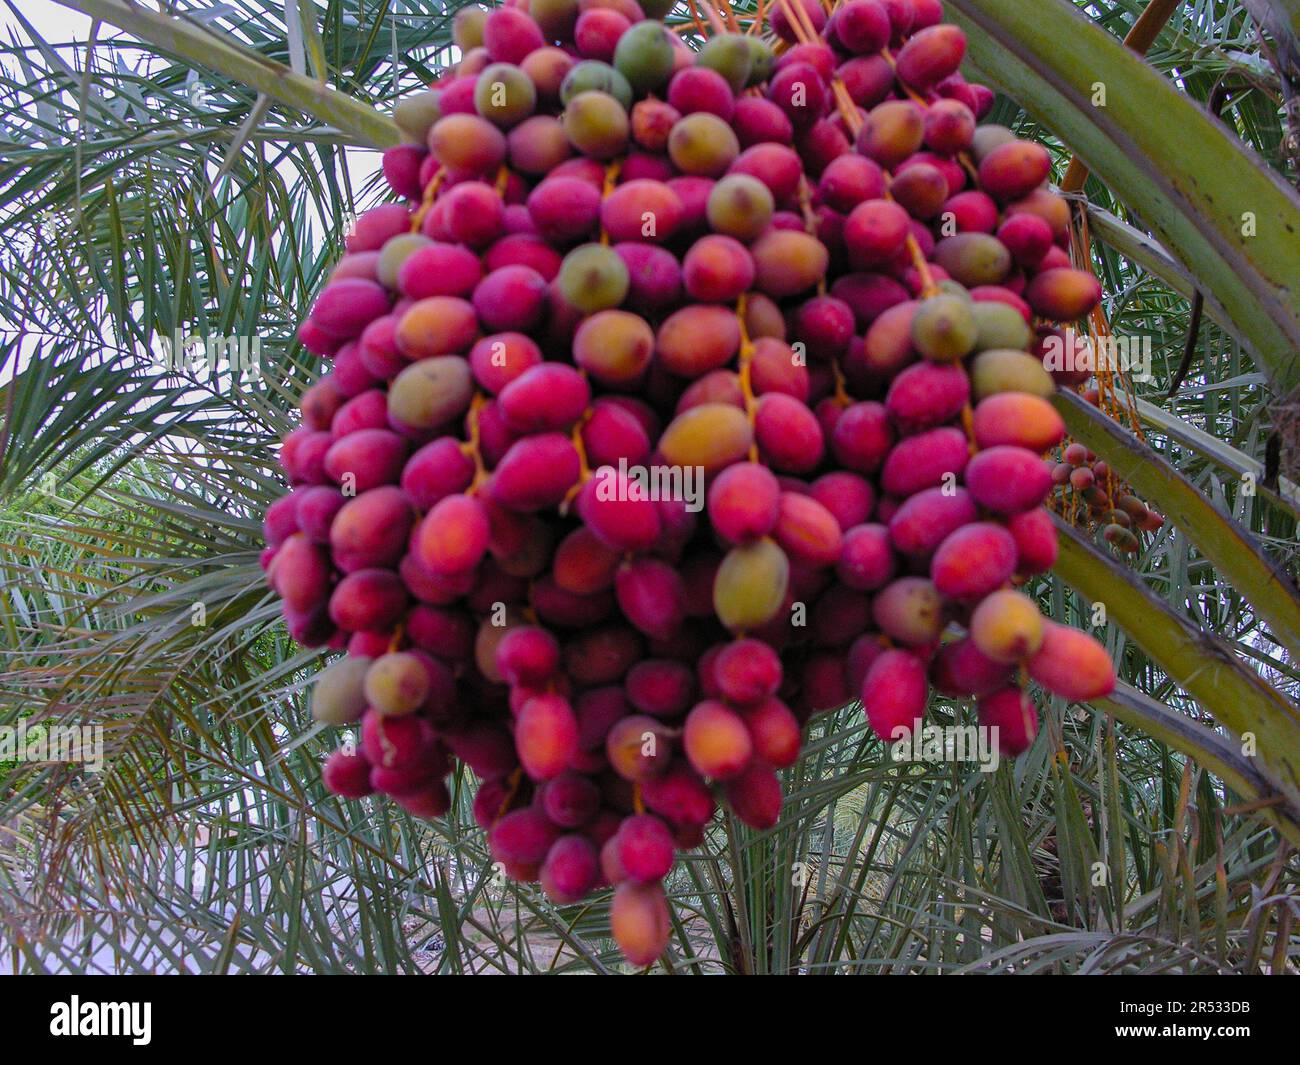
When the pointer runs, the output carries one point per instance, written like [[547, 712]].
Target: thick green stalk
[[1139, 247], [1225, 456], [1199, 662], [205, 48], [1236, 555], [1208, 748]]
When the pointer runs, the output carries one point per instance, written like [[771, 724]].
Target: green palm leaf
[[195, 175]]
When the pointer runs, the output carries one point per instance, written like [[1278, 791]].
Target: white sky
[[53, 21], [62, 25], [69, 30]]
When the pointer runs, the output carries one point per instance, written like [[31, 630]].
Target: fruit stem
[[471, 446], [799, 15], [714, 21], [849, 112], [611, 180], [968, 424], [746, 359], [912, 95], [728, 15], [842, 396], [928, 287], [584, 464], [810, 222], [805, 205], [516, 778], [426, 202], [700, 27], [1099, 330]]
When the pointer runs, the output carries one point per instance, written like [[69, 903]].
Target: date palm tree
[[187, 169]]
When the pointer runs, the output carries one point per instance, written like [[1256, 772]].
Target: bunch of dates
[[1108, 501], [684, 391]]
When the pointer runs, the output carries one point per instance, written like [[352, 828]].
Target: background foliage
[[142, 193]]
